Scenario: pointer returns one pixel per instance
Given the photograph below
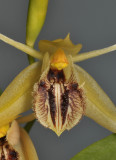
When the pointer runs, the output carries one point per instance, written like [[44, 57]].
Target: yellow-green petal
[[36, 16], [17, 96], [99, 107]]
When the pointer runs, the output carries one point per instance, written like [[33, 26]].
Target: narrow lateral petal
[[92, 54], [17, 96], [29, 50], [99, 107]]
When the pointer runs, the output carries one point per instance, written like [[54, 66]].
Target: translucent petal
[[99, 107], [65, 44], [17, 96]]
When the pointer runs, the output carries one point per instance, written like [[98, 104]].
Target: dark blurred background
[[92, 23]]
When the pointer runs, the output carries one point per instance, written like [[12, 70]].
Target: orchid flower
[[15, 143], [59, 91]]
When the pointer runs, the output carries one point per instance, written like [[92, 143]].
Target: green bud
[[35, 20]]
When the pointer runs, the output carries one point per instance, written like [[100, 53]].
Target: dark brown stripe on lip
[[64, 104], [52, 104], [54, 76], [13, 155], [57, 76], [2, 141]]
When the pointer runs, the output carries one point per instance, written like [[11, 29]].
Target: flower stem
[[30, 59], [29, 125], [0, 91]]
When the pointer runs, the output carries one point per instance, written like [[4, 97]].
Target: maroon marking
[[64, 104], [12, 154], [52, 104], [3, 157], [56, 75], [42, 84], [51, 75], [2, 141], [74, 86]]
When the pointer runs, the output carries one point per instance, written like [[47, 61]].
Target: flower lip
[[58, 104]]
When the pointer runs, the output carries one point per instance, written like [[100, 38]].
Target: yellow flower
[[15, 143], [62, 91]]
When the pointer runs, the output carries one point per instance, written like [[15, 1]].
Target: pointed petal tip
[[58, 132], [68, 36]]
